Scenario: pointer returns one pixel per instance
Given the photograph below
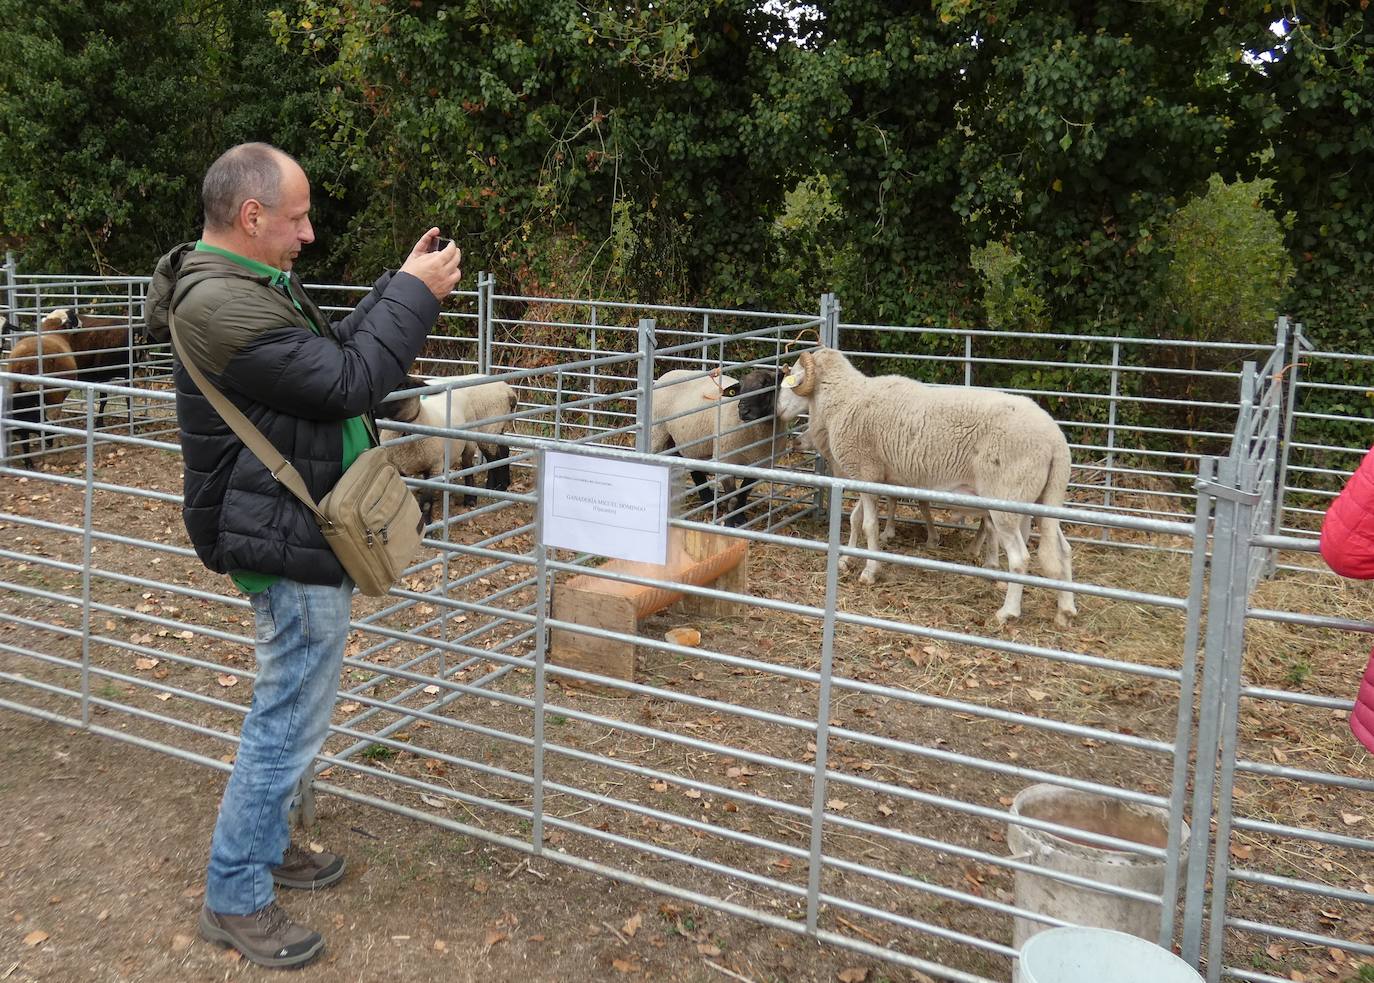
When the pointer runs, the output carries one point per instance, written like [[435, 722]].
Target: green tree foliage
[[694, 151], [110, 113], [1011, 299], [1228, 266], [624, 128]]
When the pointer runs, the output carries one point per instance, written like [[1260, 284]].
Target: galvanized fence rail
[[831, 759]]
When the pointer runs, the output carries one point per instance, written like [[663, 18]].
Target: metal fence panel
[[827, 757]]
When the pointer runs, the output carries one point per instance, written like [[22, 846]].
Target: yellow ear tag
[[790, 381]]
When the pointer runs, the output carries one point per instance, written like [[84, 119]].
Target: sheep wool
[[693, 421], [895, 430]]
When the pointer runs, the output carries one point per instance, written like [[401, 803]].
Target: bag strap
[[282, 470]]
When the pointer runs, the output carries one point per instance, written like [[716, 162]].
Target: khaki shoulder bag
[[369, 518]]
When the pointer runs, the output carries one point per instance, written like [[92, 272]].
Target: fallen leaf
[[227, 680], [1036, 694], [625, 966], [632, 924], [493, 936], [164, 697], [1241, 852], [855, 974], [1350, 818], [440, 945], [36, 937], [885, 809], [431, 690], [836, 804], [480, 886], [145, 663], [348, 707], [707, 949], [180, 943]]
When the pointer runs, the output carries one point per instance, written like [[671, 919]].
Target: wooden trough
[[701, 559]]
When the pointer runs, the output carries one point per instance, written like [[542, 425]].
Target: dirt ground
[[103, 848], [102, 853]]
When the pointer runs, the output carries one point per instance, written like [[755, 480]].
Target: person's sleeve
[[345, 327], [1347, 537], [315, 377]]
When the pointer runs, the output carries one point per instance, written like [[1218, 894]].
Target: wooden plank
[[594, 609]]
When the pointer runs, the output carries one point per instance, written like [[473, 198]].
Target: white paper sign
[[606, 507]]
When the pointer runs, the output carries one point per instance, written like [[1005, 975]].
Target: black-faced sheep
[[717, 430], [424, 457], [475, 404], [415, 457], [895, 430]]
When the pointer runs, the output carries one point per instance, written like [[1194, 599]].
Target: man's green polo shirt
[[356, 437]]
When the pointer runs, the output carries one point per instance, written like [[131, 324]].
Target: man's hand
[[440, 271]]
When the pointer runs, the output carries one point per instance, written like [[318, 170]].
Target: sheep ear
[[730, 391]]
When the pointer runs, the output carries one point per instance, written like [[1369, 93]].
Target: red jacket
[[1348, 547]]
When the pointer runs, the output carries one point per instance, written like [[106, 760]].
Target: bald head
[[250, 170], [257, 204]]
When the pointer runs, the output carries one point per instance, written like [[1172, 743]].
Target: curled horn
[[801, 336], [808, 383]]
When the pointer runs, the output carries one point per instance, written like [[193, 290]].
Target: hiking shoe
[[303, 869], [267, 937]]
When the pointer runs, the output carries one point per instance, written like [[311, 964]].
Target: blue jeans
[[300, 630]]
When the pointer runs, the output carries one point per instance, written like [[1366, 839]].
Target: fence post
[[829, 333], [593, 388], [483, 323], [1183, 727], [1108, 489], [11, 282], [1299, 345], [1225, 615], [1228, 607], [541, 608], [646, 385], [87, 547], [832, 581]]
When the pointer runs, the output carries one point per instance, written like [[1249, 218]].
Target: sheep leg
[[890, 530], [1056, 558], [1007, 528], [985, 543], [738, 500], [498, 478], [466, 462], [932, 530], [704, 490], [870, 507], [855, 518]]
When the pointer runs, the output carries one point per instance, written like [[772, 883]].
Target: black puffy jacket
[[296, 386]]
